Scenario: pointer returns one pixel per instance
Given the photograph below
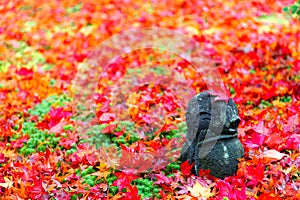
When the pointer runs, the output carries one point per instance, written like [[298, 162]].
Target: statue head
[[206, 112]]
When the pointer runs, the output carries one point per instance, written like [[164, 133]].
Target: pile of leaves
[[254, 44]]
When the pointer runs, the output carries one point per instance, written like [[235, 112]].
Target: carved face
[[232, 118], [204, 112]]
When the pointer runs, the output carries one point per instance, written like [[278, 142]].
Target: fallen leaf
[[58, 127], [107, 117], [162, 179], [199, 191], [8, 183], [272, 154], [186, 168]]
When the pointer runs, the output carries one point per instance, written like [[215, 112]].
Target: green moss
[[38, 140], [146, 188], [43, 108]]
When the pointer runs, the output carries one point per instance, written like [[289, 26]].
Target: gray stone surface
[[211, 141]]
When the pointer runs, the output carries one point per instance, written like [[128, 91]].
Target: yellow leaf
[[192, 30], [278, 104], [101, 174], [8, 183], [9, 153], [185, 197], [199, 191]]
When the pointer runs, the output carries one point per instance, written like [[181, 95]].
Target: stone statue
[[211, 141]]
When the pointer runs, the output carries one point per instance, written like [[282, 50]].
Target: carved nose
[[204, 120]]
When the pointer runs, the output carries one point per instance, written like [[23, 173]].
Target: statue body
[[211, 141]]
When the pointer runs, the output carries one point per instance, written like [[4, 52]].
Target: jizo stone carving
[[211, 141]]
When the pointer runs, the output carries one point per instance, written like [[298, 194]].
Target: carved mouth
[[232, 130]]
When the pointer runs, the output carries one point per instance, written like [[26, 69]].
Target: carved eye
[[229, 110], [188, 114]]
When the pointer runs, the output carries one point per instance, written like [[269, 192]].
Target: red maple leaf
[[256, 141], [25, 72], [109, 129], [186, 168], [36, 190], [132, 193], [91, 159], [124, 179], [162, 179], [120, 133], [57, 114], [3, 159], [231, 188], [255, 174], [66, 142], [106, 118]]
